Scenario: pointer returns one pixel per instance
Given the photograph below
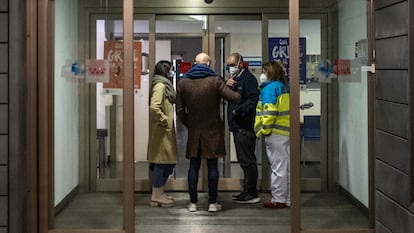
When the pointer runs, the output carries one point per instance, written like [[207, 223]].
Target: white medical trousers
[[278, 153]]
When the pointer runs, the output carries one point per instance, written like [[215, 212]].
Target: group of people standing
[[197, 101]]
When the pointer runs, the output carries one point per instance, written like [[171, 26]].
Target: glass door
[[107, 166], [312, 159], [334, 119], [179, 39], [70, 139], [237, 34]]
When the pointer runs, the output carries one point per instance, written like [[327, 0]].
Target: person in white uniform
[[273, 121]]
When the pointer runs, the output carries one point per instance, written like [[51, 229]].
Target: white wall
[[66, 101], [353, 116]]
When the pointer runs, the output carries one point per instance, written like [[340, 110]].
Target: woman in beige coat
[[162, 147]]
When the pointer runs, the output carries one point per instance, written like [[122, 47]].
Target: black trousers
[[245, 143]]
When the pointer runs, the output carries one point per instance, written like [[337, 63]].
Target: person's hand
[[230, 82]]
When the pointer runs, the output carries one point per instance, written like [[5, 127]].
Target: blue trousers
[[213, 177], [160, 174]]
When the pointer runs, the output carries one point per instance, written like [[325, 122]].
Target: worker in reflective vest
[[273, 121]]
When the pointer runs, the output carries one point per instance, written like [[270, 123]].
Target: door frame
[[43, 20], [45, 97]]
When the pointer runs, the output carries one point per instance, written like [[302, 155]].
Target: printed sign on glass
[[279, 51], [113, 52]]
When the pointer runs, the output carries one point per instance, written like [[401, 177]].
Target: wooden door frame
[[295, 131], [45, 117]]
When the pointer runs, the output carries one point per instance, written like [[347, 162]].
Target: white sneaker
[[192, 207], [214, 207]]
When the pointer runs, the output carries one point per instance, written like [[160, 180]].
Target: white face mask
[[172, 73], [233, 70], [263, 78]]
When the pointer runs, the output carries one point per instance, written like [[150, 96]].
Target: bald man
[[198, 107], [203, 58]]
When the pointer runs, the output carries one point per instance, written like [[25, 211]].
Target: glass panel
[[83, 156], [334, 148], [179, 40], [244, 37], [110, 103]]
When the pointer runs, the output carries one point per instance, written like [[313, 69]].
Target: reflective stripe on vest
[[275, 118], [282, 124], [258, 120]]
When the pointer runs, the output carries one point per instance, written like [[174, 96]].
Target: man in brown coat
[[198, 107]]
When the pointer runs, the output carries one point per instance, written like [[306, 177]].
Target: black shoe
[[247, 199], [234, 197]]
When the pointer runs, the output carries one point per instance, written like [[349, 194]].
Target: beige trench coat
[[162, 145]]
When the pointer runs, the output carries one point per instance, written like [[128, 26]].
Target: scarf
[[169, 89], [199, 71]]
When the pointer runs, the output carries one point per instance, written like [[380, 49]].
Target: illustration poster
[[113, 52]]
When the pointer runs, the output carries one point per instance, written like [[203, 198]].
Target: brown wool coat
[[162, 145], [198, 107]]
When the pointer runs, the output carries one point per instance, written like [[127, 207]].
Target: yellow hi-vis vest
[[273, 118]]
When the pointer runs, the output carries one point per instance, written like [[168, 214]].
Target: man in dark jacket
[[198, 107], [241, 118]]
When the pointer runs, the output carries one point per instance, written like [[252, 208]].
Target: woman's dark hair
[[163, 68]]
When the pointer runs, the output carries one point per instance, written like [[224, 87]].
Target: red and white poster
[[114, 53]]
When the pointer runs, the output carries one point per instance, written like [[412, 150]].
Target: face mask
[[233, 70], [263, 78], [172, 73]]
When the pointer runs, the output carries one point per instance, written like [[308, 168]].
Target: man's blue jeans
[[160, 174], [213, 177]]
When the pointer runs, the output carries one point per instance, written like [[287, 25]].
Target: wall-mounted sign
[[279, 51], [97, 71], [253, 61], [114, 53]]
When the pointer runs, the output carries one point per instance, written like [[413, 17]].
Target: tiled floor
[[104, 210]]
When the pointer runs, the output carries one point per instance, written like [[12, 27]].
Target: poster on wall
[[114, 53], [279, 51]]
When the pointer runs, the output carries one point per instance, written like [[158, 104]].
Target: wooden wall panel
[[4, 151], [4, 181], [4, 59], [4, 90], [393, 137], [4, 5], [4, 118], [379, 228], [393, 182], [392, 53], [4, 209], [392, 150], [392, 118], [4, 35], [3, 230], [392, 21], [392, 85], [383, 3], [391, 215]]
